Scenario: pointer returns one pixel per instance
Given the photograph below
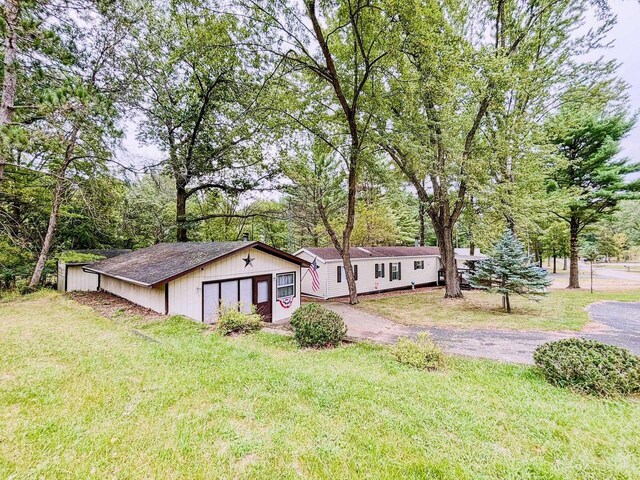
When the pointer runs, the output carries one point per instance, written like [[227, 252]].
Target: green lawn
[[84, 397], [559, 310]]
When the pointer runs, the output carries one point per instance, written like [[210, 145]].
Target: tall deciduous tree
[[455, 84], [197, 97], [588, 175], [334, 49]]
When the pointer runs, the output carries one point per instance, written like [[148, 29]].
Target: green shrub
[[315, 326], [421, 353], [588, 366], [231, 320]]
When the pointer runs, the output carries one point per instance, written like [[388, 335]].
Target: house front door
[[262, 296]]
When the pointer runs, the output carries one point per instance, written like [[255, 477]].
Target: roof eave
[[118, 277]]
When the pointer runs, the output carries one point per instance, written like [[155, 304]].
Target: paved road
[[617, 323]]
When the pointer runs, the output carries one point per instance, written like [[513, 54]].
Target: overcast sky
[[626, 34], [626, 49]]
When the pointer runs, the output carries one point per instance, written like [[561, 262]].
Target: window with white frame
[[418, 265], [285, 285]]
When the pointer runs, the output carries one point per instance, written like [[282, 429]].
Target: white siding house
[[376, 269], [195, 278]]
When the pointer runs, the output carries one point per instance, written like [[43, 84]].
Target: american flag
[[315, 278]]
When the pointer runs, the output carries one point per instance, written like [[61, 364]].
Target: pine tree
[[510, 270]]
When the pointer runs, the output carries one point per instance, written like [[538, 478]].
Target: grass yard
[[83, 396], [559, 310]]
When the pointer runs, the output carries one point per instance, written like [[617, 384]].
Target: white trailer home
[[376, 269], [195, 278], [71, 274]]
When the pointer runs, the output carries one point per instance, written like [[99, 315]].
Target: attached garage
[[195, 278]]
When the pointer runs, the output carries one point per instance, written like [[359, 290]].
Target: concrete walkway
[[618, 323]]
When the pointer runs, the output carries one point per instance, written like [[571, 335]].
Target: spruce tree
[[510, 270]]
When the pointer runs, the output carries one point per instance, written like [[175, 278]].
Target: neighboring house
[[72, 277], [195, 278], [376, 269]]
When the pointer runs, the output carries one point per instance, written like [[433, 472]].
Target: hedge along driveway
[[617, 323]]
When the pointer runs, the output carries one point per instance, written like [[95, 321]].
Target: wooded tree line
[[341, 122]]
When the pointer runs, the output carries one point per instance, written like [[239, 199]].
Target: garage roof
[[166, 261]]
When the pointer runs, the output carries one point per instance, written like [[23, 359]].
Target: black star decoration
[[248, 262]]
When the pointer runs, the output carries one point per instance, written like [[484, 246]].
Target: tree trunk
[[472, 248], [574, 230], [554, 262], [421, 214], [564, 263], [444, 233], [10, 80], [55, 210], [507, 302], [181, 210], [51, 231], [351, 216]]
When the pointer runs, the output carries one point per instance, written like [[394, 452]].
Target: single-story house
[[71, 274], [376, 269], [195, 278]]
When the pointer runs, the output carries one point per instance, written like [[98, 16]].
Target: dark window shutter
[[339, 274], [399, 272], [377, 271], [382, 272], [355, 272], [391, 272]]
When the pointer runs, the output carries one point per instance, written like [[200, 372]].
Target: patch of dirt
[[110, 306]]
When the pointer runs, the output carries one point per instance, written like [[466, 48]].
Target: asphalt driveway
[[616, 323]]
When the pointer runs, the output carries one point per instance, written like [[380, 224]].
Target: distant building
[[376, 269]]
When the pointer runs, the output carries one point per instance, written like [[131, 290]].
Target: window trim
[[295, 290]]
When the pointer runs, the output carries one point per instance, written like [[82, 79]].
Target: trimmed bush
[[315, 326], [231, 320], [421, 353], [588, 366]]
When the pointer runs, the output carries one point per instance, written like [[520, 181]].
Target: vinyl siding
[[185, 293], [307, 289], [151, 298], [367, 282], [79, 280], [76, 279], [61, 283]]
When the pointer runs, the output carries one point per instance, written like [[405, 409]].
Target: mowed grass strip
[[559, 310], [82, 397]]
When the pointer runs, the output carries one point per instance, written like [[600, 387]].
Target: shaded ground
[[616, 323], [110, 306]]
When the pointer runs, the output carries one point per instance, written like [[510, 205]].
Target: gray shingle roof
[[330, 253], [165, 261]]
